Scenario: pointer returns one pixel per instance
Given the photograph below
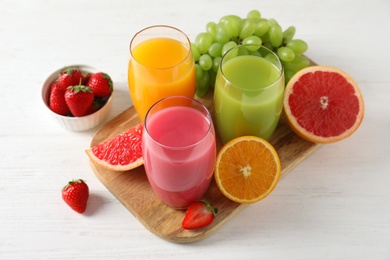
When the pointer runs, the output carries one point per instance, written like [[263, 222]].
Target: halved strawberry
[[199, 214]]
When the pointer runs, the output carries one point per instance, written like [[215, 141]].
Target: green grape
[[222, 37], [203, 41], [201, 92], [216, 63], [254, 41], [288, 75], [276, 35], [255, 53], [286, 54], [220, 27], [202, 85], [244, 51], [248, 29], [289, 33], [253, 14], [232, 26], [273, 22], [205, 62], [263, 51], [229, 16], [215, 49], [268, 45], [198, 72], [211, 28], [297, 64], [252, 31], [297, 45], [228, 46], [204, 80], [272, 58], [195, 52], [262, 28], [212, 77]]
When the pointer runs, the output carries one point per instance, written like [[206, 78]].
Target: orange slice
[[323, 104], [247, 169], [122, 152]]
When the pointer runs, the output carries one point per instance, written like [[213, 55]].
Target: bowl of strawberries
[[78, 96]]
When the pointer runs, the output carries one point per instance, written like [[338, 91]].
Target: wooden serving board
[[132, 188]]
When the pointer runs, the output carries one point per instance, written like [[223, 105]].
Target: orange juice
[[159, 67]]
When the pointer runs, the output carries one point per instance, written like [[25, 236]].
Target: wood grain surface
[[132, 188]]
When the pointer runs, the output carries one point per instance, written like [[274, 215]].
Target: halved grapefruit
[[323, 104], [122, 152]]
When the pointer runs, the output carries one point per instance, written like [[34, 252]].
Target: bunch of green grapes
[[232, 30]]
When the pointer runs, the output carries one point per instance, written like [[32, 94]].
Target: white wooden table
[[334, 205]]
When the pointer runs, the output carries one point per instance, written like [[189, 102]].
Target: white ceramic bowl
[[75, 123]]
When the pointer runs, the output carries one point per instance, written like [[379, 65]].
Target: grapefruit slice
[[323, 104], [247, 169], [122, 152]]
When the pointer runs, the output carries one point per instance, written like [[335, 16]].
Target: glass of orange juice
[[160, 65]]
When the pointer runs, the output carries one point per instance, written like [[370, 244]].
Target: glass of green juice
[[248, 94]]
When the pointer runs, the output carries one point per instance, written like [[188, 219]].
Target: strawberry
[[70, 77], [79, 98], [101, 84], [57, 100], [87, 77], [199, 214], [95, 106], [76, 194]]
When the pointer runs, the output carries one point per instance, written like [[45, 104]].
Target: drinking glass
[[160, 65], [179, 150], [248, 95]]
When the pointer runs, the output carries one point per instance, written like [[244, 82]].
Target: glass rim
[[281, 74], [161, 26], [208, 116]]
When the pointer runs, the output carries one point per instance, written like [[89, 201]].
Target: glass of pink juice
[[179, 150]]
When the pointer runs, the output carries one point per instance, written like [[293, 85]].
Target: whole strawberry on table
[[78, 93], [76, 194]]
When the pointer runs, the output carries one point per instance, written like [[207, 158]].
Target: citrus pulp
[[247, 169], [323, 104], [122, 152]]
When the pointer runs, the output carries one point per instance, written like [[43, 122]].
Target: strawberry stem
[[211, 208], [79, 88], [73, 181]]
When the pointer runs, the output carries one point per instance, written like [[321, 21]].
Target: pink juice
[[179, 154]]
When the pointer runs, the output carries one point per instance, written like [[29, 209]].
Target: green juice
[[248, 97]]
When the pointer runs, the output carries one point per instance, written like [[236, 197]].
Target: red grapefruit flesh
[[122, 152], [323, 104]]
